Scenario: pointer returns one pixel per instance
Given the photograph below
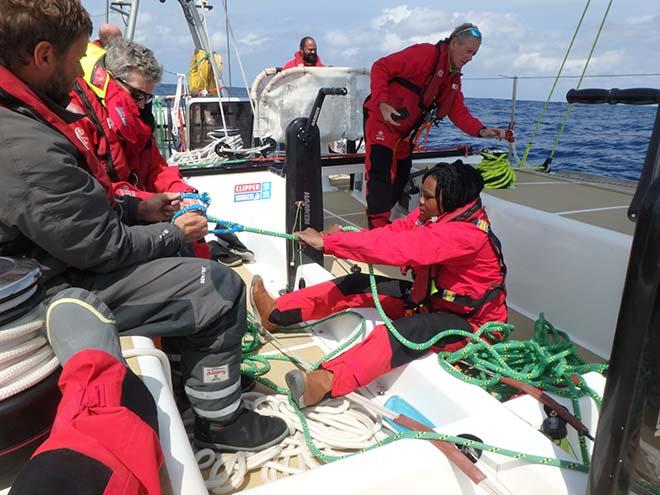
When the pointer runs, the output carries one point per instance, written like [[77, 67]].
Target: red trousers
[[380, 352]]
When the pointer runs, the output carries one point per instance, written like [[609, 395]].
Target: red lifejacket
[[17, 94], [400, 79]]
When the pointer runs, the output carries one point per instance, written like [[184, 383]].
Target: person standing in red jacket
[[419, 83], [306, 56], [458, 283]]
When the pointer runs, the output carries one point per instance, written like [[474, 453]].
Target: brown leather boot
[[308, 389], [262, 303]]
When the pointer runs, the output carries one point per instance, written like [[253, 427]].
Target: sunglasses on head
[[137, 94], [471, 31]]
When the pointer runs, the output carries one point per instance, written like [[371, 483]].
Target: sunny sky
[[521, 37]]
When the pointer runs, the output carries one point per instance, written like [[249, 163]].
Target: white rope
[[208, 157], [21, 349], [33, 377], [23, 367], [337, 426], [14, 333]]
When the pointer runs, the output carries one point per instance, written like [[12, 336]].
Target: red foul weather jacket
[[298, 61], [399, 78], [458, 255], [91, 421], [102, 136], [147, 170]]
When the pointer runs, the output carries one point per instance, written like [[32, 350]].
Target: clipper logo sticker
[[254, 191]]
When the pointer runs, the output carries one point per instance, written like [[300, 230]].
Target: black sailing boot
[[246, 430]]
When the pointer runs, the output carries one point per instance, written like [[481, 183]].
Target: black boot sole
[[233, 448]]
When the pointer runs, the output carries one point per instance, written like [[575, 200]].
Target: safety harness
[[424, 286], [91, 114], [428, 94]]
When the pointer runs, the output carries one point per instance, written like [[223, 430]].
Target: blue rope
[[202, 207]]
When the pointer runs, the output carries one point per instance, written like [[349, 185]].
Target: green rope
[[569, 108], [496, 171], [523, 161], [548, 361]]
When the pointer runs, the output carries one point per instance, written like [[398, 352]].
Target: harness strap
[[462, 299], [107, 156]]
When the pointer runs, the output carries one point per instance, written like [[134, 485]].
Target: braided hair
[[456, 184]]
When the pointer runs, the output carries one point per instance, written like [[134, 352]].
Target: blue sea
[[609, 140]]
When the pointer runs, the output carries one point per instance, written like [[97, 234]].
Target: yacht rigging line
[[523, 160], [567, 113]]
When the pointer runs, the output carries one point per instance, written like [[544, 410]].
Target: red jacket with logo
[[147, 169], [298, 61], [458, 253], [415, 65], [101, 132]]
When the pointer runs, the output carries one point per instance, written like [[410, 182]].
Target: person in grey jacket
[[52, 209]]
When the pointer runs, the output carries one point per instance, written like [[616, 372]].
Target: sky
[[520, 37]]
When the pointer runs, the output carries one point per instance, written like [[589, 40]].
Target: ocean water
[[609, 140]]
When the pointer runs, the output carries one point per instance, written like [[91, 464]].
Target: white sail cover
[[283, 96]]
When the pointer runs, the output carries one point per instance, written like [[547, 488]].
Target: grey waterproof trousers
[[199, 305]]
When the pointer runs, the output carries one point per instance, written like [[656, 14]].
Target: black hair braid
[[456, 184]]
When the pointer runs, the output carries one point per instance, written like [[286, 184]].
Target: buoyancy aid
[[95, 74], [17, 96], [424, 283]]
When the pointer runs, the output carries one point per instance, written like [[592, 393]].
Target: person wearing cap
[[421, 83]]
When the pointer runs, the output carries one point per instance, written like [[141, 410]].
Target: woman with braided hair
[[458, 273]]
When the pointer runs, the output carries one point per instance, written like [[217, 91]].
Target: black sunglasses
[[137, 94]]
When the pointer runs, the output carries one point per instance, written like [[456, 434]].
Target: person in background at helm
[[107, 33], [458, 284], [421, 83], [306, 56]]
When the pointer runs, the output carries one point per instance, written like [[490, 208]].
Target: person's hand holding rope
[[193, 224], [497, 132], [159, 208], [311, 237]]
